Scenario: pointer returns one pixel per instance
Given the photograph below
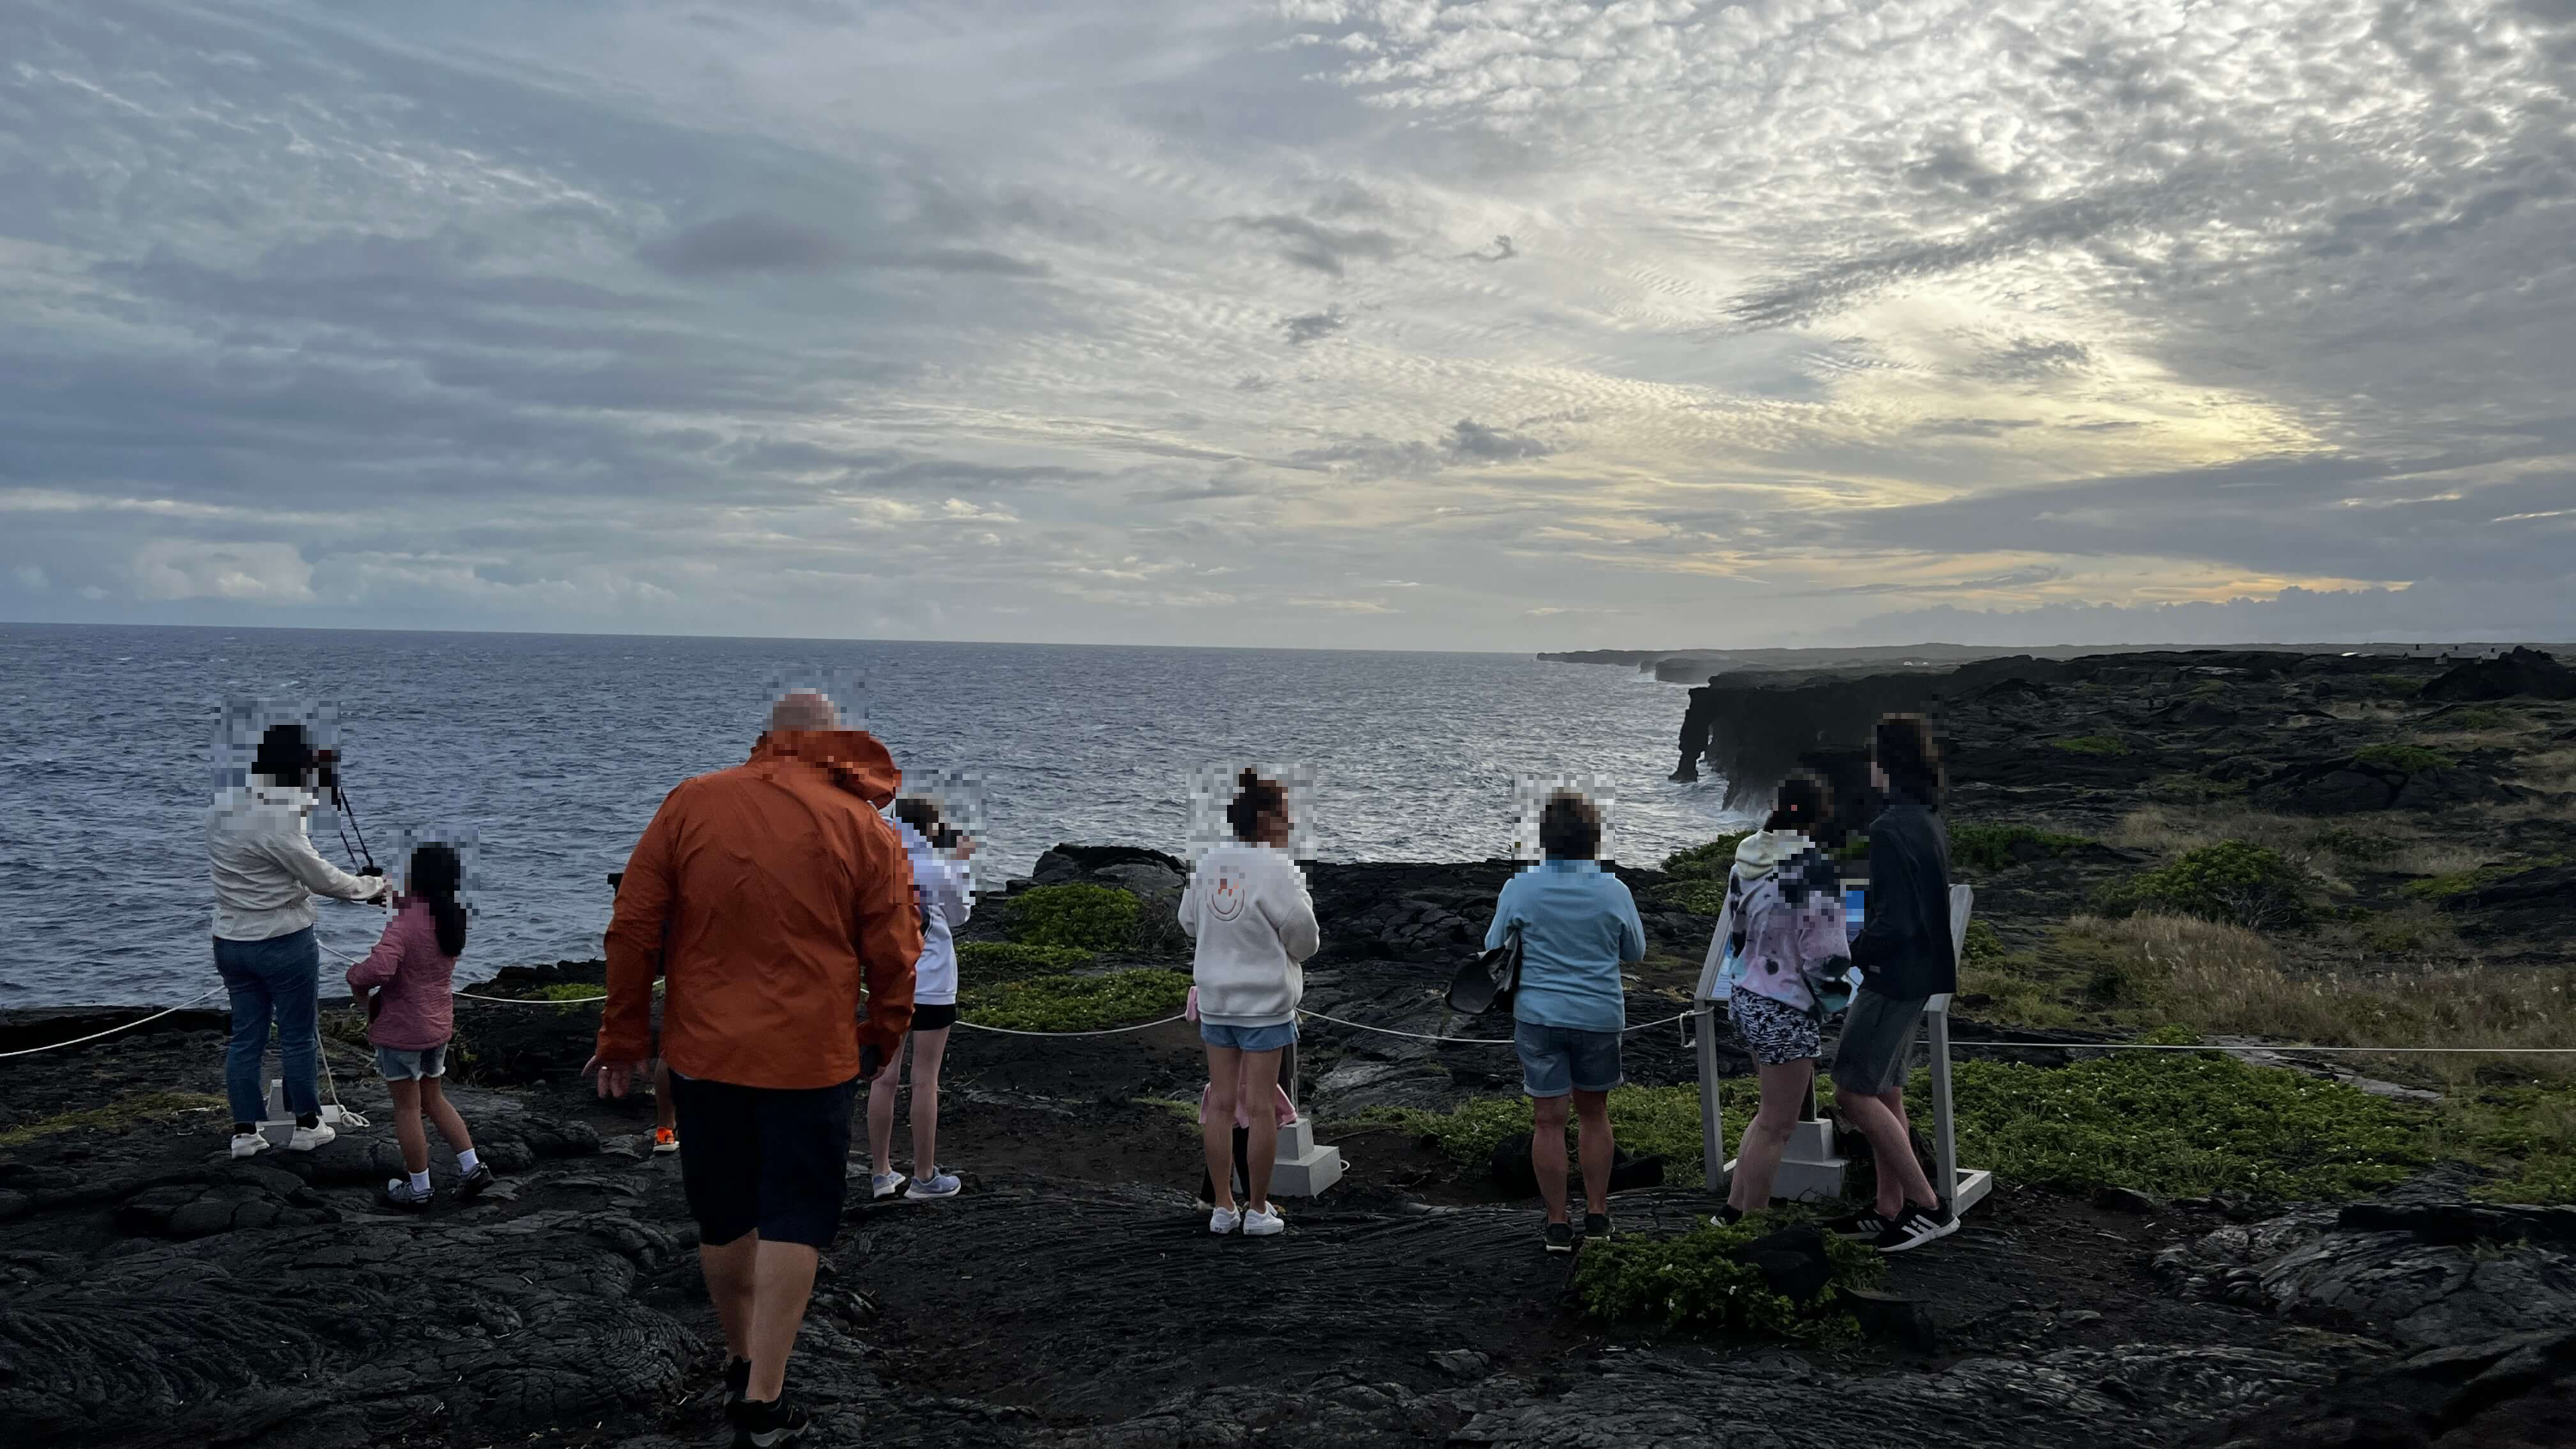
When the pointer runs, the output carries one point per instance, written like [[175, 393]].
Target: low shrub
[[2405, 759], [2233, 881], [1710, 861], [2480, 717], [1003, 960], [1082, 917], [1075, 1003], [2396, 686], [2183, 1125], [2355, 845], [1693, 1281], [1981, 944], [1699, 897], [1998, 847], [2092, 745]]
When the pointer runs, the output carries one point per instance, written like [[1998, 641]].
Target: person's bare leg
[[1891, 1150], [1225, 1087], [728, 1269], [1547, 1153], [1766, 1137], [1259, 1084], [783, 1279], [433, 1100], [928, 1047], [666, 1113], [407, 1129], [1592, 1143], [881, 1113]]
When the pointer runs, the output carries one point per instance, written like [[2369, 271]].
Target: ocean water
[[555, 749]]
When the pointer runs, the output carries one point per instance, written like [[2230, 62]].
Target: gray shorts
[[1877, 1045], [396, 1065], [1557, 1060]]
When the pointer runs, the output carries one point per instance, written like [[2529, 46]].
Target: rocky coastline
[[154, 1292]]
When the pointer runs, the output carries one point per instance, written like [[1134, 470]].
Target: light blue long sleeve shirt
[[1578, 924]]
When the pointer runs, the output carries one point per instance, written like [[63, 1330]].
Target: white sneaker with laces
[[248, 1144], [1224, 1220], [1260, 1224], [885, 1184], [308, 1138]]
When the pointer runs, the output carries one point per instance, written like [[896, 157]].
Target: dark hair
[[436, 876], [1803, 804], [1903, 750], [1254, 797], [284, 756], [922, 814], [1568, 827]]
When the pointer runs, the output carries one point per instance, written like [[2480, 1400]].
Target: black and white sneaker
[[737, 1383], [1866, 1226], [471, 1185], [1560, 1237], [1914, 1226], [767, 1425], [1596, 1227]]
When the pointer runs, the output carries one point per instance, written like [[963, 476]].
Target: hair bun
[[1249, 778]]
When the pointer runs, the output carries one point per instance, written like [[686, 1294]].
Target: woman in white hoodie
[[1248, 909], [1785, 948], [939, 855]]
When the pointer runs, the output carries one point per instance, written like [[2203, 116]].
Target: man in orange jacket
[[766, 896]]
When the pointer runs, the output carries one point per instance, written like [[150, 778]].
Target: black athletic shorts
[[763, 1158], [937, 1017]]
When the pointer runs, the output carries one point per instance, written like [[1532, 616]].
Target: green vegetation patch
[[2362, 846], [2480, 717], [2397, 686], [1075, 1003], [1001, 960], [2460, 882], [2232, 881], [2093, 745], [115, 1116], [1981, 944], [1082, 917], [1708, 862], [2182, 1124], [1999, 847], [1662, 1121], [2525, 1134], [2405, 759], [1693, 1281]]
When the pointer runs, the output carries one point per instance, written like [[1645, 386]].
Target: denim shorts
[[396, 1065], [1556, 1060], [1248, 1038]]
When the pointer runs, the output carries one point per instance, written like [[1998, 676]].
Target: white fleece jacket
[[947, 899], [1248, 909]]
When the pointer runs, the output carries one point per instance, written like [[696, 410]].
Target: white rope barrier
[[111, 1031], [2158, 1046], [1110, 1031]]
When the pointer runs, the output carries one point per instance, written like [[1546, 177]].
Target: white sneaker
[[308, 1138], [1224, 1220], [248, 1144], [885, 1184], [1259, 1224]]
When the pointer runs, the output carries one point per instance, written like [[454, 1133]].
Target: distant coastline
[[1696, 666]]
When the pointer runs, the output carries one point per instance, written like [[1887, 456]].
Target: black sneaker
[[1596, 1226], [737, 1382], [759, 1424], [1727, 1217], [1560, 1237], [1867, 1225], [471, 1185], [1914, 1226]]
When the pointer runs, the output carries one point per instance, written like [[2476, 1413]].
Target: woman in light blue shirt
[[1578, 926]]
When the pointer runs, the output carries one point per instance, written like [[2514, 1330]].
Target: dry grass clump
[[2170, 828], [2223, 979], [2553, 771]]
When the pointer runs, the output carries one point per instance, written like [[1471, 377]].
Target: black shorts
[[769, 1159], [938, 1017]]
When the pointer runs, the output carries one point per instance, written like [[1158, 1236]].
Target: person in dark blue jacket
[[1906, 958]]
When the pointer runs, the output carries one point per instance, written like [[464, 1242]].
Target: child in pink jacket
[[412, 1018]]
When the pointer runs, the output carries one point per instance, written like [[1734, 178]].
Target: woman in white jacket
[[939, 884], [1248, 909]]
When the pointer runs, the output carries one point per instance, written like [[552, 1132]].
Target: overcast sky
[[1523, 324]]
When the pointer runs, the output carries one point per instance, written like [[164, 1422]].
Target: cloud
[[1323, 248], [30, 577], [1503, 251], [170, 569], [746, 243], [1314, 326], [1469, 439]]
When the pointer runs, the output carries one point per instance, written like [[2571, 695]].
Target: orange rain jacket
[[766, 895]]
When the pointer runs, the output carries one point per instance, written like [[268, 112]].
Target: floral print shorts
[[1775, 1032]]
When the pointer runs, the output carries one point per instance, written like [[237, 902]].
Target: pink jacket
[[414, 1009]]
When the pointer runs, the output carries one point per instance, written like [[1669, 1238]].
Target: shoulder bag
[[1490, 979]]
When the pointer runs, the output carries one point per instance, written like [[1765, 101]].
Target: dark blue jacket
[[1903, 949]]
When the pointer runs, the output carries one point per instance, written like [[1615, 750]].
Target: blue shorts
[[396, 1065], [1248, 1038], [1556, 1060]]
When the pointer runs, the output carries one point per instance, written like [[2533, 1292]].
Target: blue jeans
[[278, 977], [1249, 1038]]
